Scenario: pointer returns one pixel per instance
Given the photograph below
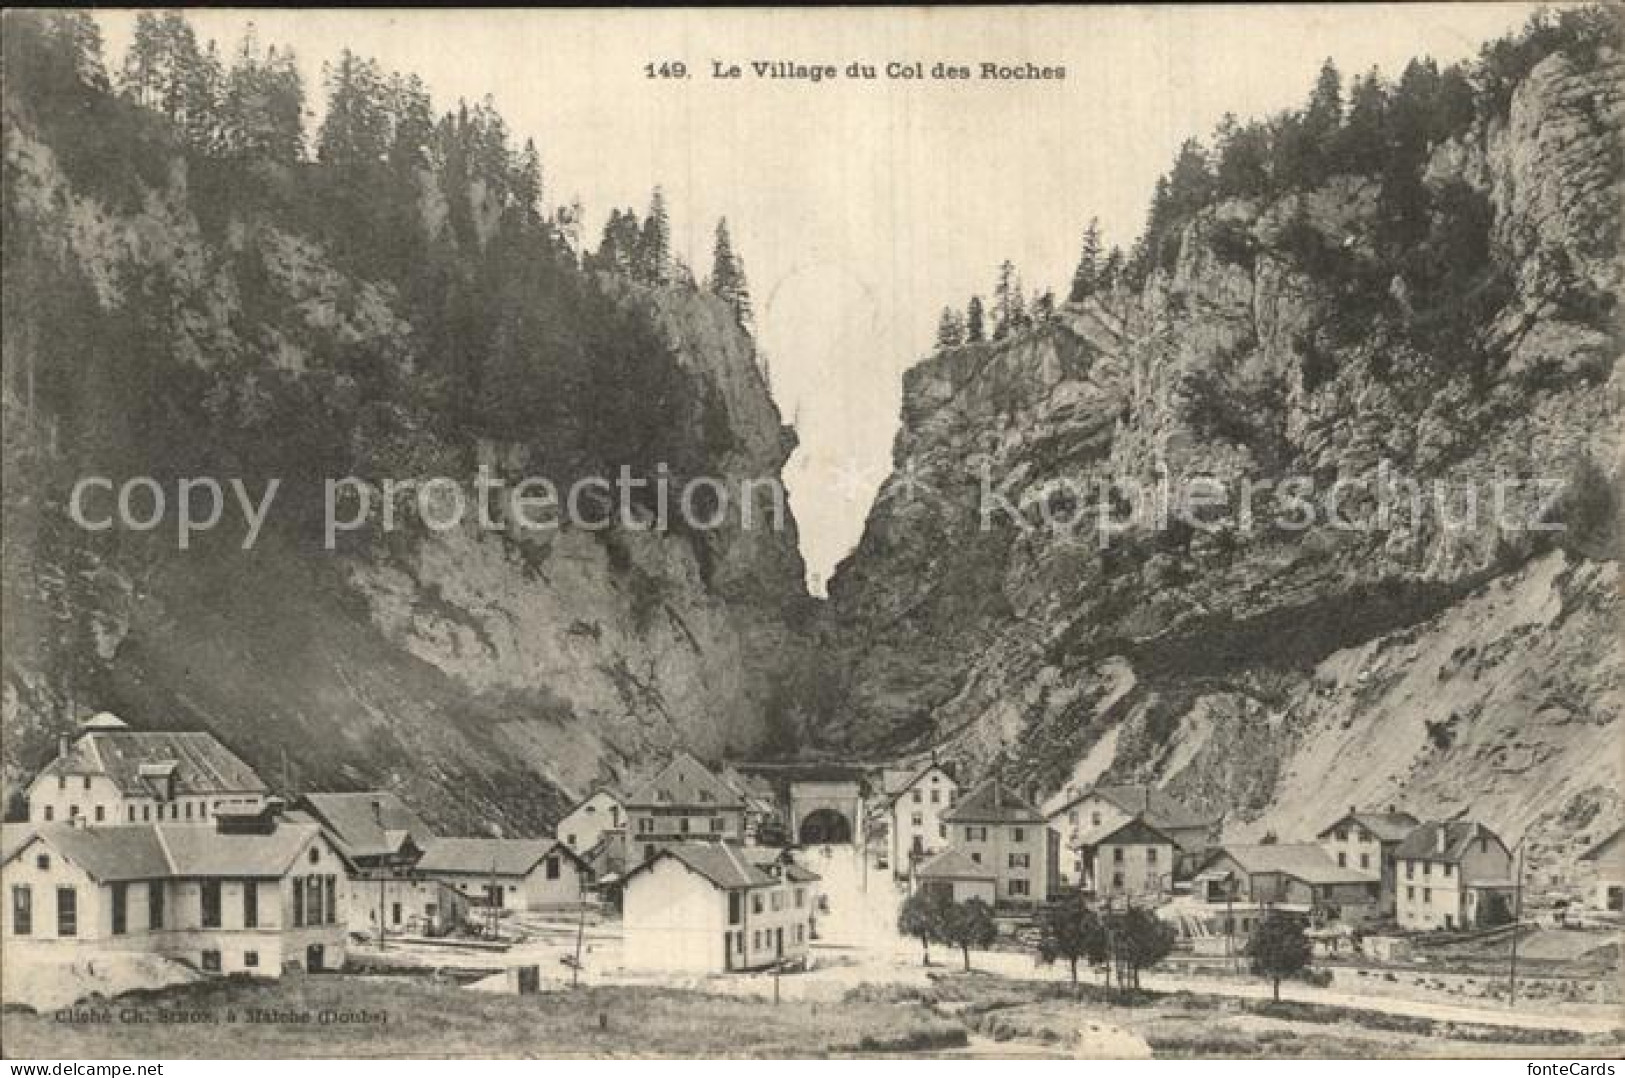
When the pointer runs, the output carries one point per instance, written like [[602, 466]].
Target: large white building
[[248, 894], [583, 826], [1453, 876], [914, 820], [112, 774], [713, 907]]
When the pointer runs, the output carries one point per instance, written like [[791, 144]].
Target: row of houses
[[169, 843]]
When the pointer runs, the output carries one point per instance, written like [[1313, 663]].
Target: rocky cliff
[[176, 314], [1450, 660]]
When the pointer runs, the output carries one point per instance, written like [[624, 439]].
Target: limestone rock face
[[489, 676], [1447, 657]]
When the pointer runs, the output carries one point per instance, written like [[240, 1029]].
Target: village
[[161, 857]]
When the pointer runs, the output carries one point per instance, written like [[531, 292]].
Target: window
[[1410, 870], [756, 903], [1427, 868], [571, 839], [50, 813], [1427, 895], [121, 904], [73, 812], [706, 796], [1117, 855], [1342, 834], [682, 825], [645, 825], [146, 813], [1117, 881], [975, 834], [211, 961], [553, 867], [395, 913], [976, 858], [1365, 860], [716, 825], [1072, 817], [778, 901], [132, 813], [917, 820], [942, 830], [1150, 855], [43, 862], [331, 886], [1342, 859], [1410, 893], [1446, 870], [1094, 819], [155, 905], [298, 902], [101, 813], [918, 797], [210, 899], [736, 907], [189, 810], [936, 797], [62, 782], [251, 959], [67, 911], [87, 782], [801, 897], [1018, 834], [1019, 860], [798, 933], [315, 854], [1018, 887], [22, 910], [251, 904]]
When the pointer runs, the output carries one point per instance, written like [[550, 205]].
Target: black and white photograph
[[909, 533]]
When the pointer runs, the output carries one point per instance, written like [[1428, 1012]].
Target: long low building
[[507, 873], [1297, 876], [254, 895]]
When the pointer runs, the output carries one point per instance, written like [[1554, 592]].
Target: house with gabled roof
[[508, 873], [1291, 877], [1095, 811], [1000, 830], [384, 839], [684, 802], [601, 811], [1129, 859], [714, 907], [953, 874], [1453, 875], [913, 811], [1366, 840], [113, 774], [1604, 864], [251, 893]]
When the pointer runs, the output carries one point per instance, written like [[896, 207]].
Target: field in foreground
[[420, 1018]]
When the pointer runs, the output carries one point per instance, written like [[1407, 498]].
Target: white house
[[508, 873], [1604, 865], [914, 816], [1366, 841], [684, 802], [583, 826], [1453, 876], [112, 774], [957, 877], [1086, 815], [1129, 859], [713, 907], [223, 899]]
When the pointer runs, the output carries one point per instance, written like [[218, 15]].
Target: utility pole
[[581, 930], [1517, 926], [381, 910]]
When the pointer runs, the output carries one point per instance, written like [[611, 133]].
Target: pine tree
[[1009, 303], [527, 181], [653, 261], [950, 329], [1086, 278], [1111, 271], [728, 275], [975, 321], [412, 124], [356, 129], [1043, 306], [262, 105]]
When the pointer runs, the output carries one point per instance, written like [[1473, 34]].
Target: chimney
[[1353, 809], [378, 813], [1439, 838], [1393, 810], [64, 745]]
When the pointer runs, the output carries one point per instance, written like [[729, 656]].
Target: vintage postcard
[[934, 533]]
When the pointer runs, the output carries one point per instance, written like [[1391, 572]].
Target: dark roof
[[727, 866], [1423, 844], [173, 851], [482, 856], [200, 763], [687, 782], [992, 802], [1156, 805], [12, 838], [1134, 832], [1306, 861], [953, 864], [1604, 846], [1387, 826], [371, 823]]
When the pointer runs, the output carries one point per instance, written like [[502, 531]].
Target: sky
[[862, 207]]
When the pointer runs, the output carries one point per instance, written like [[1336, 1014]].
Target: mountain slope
[[1269, 671]]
